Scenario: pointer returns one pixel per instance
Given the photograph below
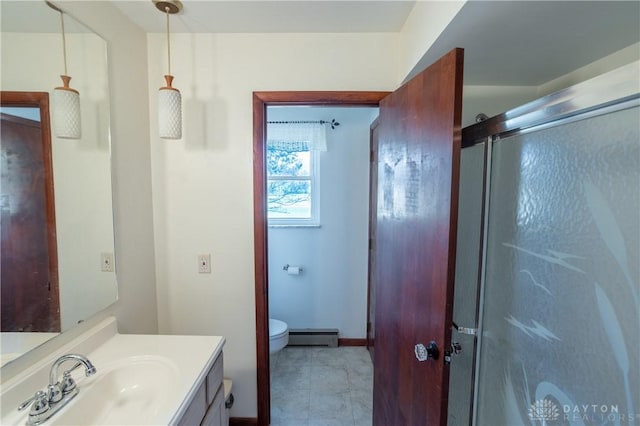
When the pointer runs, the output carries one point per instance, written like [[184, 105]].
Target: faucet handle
[[89, 371], [54, 392], [78, 364], [40, 404], [68, 384]]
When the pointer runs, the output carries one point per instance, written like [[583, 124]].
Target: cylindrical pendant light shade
[[170, 111], [66, 111]]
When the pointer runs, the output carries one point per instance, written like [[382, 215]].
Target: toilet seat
[[277, 328], [278, 335]]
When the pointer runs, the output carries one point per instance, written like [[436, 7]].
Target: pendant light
[[66, 101], [169, 98]]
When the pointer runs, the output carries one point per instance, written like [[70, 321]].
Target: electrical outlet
[[106, 262], [204, 263]]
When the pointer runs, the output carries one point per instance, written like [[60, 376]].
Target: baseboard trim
[[243, 421], [352, 342]]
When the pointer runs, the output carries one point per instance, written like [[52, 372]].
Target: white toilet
[[278, 335]]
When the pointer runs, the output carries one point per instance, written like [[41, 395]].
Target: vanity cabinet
[[207, 406]]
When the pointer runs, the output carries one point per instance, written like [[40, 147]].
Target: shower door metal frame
[[613, 91]]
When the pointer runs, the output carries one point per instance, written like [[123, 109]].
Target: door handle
[[423, 352]]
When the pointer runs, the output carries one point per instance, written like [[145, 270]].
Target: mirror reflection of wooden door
[[418, 178], [29, 278]]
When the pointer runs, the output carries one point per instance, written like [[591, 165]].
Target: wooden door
[[418, 170], [373, 215], [29, 260]]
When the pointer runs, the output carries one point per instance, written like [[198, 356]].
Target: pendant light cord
[[64, 44], [166, 9]]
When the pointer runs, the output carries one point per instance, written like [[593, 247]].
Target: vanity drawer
[[197, 408], [214, 379], [216, 413], [208, 401]]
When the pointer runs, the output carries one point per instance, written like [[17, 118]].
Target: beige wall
[[202, 184], [136, 308], [610, 62], [493, 100], [421, 29]]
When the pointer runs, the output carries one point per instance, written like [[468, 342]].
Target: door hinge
[[456, 349], [465, 330]]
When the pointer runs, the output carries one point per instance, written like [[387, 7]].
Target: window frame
[[314, 184]]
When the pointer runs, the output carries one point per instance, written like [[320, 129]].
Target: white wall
[[493, 100], [81, 168], [332, 290], [203, 184], [608, 63], [136, 308]]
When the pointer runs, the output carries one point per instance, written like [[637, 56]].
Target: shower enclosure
[[547, 310]]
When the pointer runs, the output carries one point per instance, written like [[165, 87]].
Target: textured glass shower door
[[561, 318]]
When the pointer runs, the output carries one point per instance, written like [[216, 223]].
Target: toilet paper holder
[[286, 268]]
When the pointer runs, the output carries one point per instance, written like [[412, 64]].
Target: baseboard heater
[[314, 337]]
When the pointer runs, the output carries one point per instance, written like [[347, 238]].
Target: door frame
[[373, 201], [260, 102]]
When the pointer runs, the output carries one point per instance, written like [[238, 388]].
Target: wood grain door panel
[[418, 176]]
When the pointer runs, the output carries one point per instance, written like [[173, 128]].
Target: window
[[292, 184]]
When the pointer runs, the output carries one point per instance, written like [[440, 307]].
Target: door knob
[[425, 352]]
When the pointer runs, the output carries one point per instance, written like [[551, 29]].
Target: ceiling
[[284, 16], [35, 17], [237, 16], [523, 43], [528, 43]]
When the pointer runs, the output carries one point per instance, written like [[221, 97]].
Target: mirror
[[58, 269]]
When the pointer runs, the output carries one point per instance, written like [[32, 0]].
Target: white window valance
[[297, 136]]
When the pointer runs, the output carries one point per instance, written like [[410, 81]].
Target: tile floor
[[313, 386]]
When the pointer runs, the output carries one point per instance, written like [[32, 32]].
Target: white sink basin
[[131, 391], [140, 379]]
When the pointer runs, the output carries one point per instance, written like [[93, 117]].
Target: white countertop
[[182, 362]]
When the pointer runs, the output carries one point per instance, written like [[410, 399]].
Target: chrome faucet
[[59, 393], [89, 369]]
